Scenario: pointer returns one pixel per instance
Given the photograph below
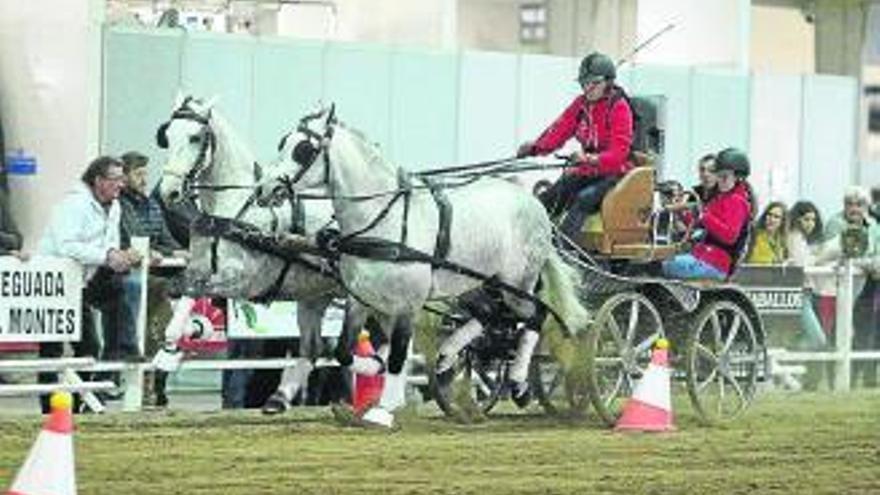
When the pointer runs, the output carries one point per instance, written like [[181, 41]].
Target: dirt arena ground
[[786, 444]]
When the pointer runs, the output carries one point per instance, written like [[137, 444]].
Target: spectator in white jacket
[[85, 227], [803, 240]]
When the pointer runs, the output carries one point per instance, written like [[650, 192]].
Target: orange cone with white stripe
[[49, 467], [367, 388], [650, 407]]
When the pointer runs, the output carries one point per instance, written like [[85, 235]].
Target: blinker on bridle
[[306, 152], [205, 136]]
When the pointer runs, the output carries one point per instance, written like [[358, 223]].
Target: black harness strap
[[444, 208], [405, 186], [250, 236], [274, 290], [375, 221], [383, 250]]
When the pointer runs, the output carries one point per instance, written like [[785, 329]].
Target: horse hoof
[[168, 359], [378, 416], [276, 404], [344, 414], [521, 394]]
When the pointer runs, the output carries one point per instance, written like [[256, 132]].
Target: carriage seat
[[622, 227]]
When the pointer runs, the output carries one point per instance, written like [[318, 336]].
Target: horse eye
[[195, 139]]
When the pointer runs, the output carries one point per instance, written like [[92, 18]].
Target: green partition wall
[[357, 79], [547, 86], [432, 108], [828, 139], [487, 104], [424, 109], [141, 79], [719, 112], [673, 83], [288, 83]]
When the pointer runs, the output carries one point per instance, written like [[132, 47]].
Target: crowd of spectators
[[798, 236]]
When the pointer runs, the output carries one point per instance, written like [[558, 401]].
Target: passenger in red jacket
[[722, 229], [602, 121]]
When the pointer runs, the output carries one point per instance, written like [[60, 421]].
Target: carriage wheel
[[619, 350], [560, 389], [724, 360], [471, 388]]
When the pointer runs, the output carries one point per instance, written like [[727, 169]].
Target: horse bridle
[[208, 144], [306, 152]]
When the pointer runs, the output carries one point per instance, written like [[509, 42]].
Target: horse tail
[[559, 291]]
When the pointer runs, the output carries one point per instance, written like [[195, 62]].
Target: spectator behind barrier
[[84, 227], [142, 217], [803, 241], [10, 237], [178, 215], [874, 209], [768, 246], [805, 235], [854, 222]]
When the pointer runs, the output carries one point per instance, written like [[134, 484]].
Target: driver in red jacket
[[602, 121], [722, 229]]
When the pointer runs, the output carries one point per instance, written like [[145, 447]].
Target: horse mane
[[368, 149], [234, 158]]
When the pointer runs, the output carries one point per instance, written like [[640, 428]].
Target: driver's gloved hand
[[526, 150]]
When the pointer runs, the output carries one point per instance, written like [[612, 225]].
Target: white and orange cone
[[49, 467], [650, 407], [367, 388]]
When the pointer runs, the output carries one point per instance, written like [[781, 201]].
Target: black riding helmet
[[595, 67], [734, 160]]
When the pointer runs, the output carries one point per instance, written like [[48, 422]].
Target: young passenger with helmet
[[602, 121], [721, 231]]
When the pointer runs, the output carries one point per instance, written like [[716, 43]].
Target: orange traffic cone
[[49, 467], [650, 407], [367, 388]]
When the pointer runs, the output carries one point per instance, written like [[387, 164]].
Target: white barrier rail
[[843, 354], [133, 373], [18, 390]]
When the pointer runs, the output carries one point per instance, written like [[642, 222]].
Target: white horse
[[208, 159], [497, 229]]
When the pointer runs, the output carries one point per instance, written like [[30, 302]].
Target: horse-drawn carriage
[[717, 334], [398, 246]]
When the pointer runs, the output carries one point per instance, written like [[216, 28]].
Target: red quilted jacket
[[723, 217], [599, 129]]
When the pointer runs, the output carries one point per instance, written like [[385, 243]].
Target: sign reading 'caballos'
[[773, 289], [776, 299], [40, 300]]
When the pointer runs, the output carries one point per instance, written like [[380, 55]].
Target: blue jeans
[[685, 266], [131, 304]]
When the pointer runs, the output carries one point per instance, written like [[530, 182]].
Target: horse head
[[302, 161], [191, 143]]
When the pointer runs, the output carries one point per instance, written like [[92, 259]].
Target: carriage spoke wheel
[[560, 388], [472, 387], [724, 360], [619, 350]]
